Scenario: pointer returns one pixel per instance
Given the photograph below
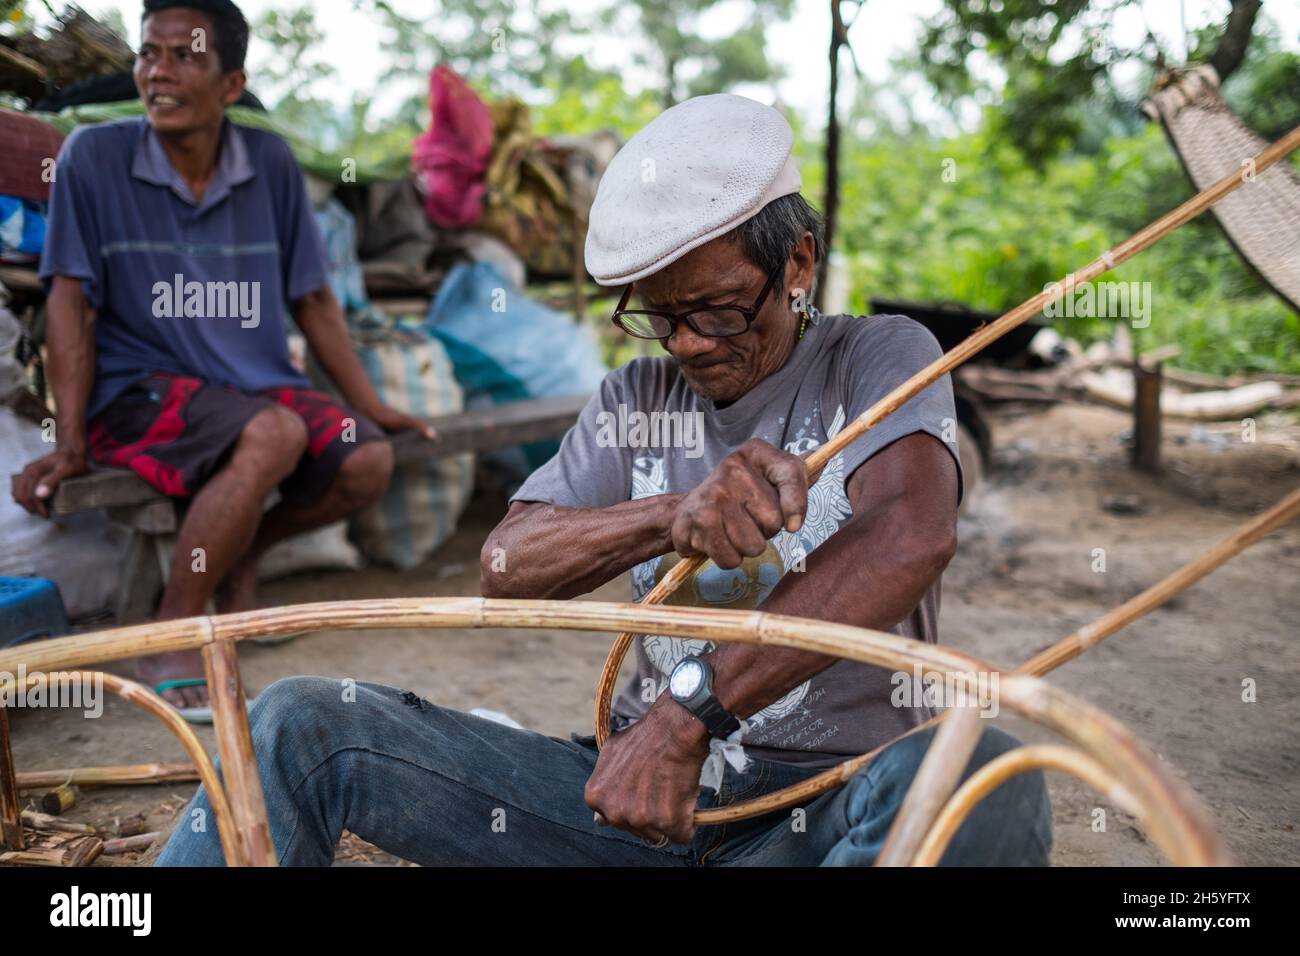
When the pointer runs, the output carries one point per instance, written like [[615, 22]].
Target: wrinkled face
[[178, 72], [719, 273]]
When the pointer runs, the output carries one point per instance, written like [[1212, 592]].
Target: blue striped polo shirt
[[194, 288]]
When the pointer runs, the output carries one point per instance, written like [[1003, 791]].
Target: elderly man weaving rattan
[[696, 452]]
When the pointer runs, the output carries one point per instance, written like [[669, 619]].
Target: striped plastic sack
[[424, 501]]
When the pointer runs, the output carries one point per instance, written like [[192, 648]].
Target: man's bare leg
[[219, 526], [362, 480]]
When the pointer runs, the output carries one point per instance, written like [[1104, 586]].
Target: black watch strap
[[719, 721]]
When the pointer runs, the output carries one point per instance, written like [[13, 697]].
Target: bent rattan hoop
[[151, 703], [1001, 769], [1177, 821]]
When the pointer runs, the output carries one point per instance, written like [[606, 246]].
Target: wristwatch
[[691, 685]]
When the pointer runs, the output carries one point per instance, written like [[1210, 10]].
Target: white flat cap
[[693, 173]]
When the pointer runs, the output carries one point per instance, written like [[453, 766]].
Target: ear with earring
[[799, 304]]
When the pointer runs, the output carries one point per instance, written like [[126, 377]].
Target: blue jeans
[[440, 787]]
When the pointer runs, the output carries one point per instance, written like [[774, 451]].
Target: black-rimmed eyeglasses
[[710, 321]]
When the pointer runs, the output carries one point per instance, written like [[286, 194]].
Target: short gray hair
[[768, 238]]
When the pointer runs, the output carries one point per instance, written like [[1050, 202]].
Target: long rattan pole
[[942, 366], [1064, 650], [1001, 769]]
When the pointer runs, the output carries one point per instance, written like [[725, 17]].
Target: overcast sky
[[884, 29]]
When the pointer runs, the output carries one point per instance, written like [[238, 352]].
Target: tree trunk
[[830, 204], [670, 84], [1231, 50]]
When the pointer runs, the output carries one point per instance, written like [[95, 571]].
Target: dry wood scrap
[[1100, 381], [44, 821], [130, 826], [52, 848], [1115, 387], [58, 800], [131, 775], [1201, 381], [130, 844]]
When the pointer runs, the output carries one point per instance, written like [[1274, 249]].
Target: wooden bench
[[153, 520]]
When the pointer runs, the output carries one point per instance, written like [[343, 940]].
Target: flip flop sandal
[[195, 715]]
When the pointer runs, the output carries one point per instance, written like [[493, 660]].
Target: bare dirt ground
[[1023, 578]]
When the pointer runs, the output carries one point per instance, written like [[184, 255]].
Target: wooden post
[[11, 821], [831, 200], [239, 772], [579, 268], [1146, 416]]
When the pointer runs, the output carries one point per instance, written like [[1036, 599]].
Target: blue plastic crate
[[30, 608]]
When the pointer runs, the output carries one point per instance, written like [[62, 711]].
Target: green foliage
[[286, 79], [678, 48], [14, 17], [1052, 54], [1265, 92], [599, 101], [513, 47], [1002, 231], [1049, 66]]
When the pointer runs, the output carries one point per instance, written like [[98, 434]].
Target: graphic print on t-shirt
[[747, 586]]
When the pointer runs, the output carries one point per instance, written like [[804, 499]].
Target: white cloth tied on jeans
[[722, 752]]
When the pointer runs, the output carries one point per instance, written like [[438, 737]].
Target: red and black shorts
[[175, 432]]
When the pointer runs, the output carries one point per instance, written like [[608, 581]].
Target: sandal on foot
[[195, 715]]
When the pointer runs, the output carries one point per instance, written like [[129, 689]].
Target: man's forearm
[[541, 551], [70, 341], [853, 578], [320, 318]]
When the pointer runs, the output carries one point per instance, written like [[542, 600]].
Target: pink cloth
[[453, 155]]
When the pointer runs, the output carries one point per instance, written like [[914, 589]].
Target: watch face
[[686, 679]]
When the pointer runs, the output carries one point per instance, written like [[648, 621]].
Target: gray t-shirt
[[618, 451]]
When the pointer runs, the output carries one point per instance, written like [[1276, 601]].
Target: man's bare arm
[[555, 552], [70, 341], [871, 573], [542, 551], [320, 317]]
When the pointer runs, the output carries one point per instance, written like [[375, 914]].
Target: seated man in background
[[176, 243]]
